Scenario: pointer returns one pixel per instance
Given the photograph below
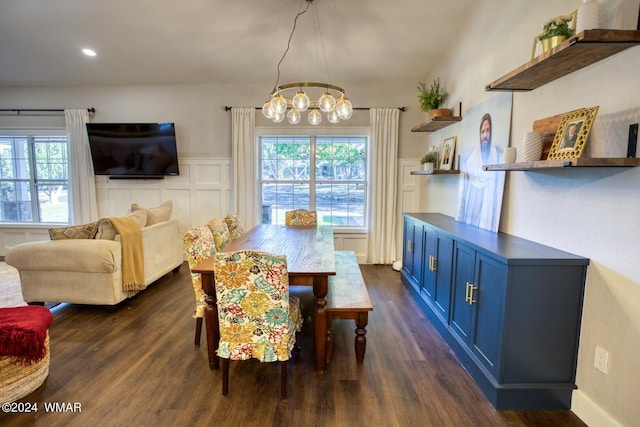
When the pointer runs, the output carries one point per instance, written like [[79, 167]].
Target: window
[[327, 174], [34, 174]]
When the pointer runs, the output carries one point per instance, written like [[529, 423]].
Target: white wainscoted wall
[[202, 191]]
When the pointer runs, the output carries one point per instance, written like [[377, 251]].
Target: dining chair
[[301, 217], [220, 232], [198, 245], [257, 317], [236, 229]]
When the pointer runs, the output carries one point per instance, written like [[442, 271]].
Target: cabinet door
[[428, 264], [412, 250], [464, 268], [444, 272], [491, 279]]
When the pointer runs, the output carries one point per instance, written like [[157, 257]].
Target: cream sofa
[[89, 271]]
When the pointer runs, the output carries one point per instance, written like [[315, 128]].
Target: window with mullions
[[327, 174], [34, 176]]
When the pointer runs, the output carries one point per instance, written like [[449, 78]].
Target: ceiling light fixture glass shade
[[318, 97], [314, 117]]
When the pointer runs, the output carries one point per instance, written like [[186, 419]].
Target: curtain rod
[[227, 108], [19, 111]]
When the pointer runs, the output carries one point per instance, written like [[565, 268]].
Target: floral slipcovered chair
[[198, 245], [220, 232], [235, 226], [301, 217], [257, 316]]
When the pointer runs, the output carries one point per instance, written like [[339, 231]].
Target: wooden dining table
[[310, 261]]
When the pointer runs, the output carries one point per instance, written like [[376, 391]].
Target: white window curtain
[[82, 185], [384, 182], [243, 153]]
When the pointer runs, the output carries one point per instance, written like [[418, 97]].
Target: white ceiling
[[223, 41]]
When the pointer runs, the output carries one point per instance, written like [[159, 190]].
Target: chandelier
[[287, 102]]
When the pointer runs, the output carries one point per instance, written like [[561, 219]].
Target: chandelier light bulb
[[277, 117], [301, 101], [326, 102], [278, 104], [293, 116], [267, 111], [333, 117], [315, 118], [344, 108]]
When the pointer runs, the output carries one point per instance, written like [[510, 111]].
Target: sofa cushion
[[80, 231], [155, 215], [106, 230]]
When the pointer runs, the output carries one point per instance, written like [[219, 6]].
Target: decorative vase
[[427, 166], [551, 42], [532, 146], [588, 16], [509, 155]]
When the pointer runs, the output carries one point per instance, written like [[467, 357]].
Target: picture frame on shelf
[[448, 154], [572, 134]]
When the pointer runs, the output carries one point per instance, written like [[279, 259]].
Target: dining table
[[310, 256]]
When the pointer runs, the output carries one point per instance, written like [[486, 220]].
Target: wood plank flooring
[[136, 365]]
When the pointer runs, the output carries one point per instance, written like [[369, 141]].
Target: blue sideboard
[[509, 308]]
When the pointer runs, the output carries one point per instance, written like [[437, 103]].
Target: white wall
[[590, 212]]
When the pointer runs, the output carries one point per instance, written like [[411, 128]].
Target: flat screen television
[[133, 150]]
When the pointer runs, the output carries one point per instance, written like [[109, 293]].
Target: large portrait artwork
[[486, 135]]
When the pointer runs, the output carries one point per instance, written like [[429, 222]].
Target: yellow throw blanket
[[132, 252]]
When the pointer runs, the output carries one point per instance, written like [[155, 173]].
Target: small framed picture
[[448, 153], [572, 134]]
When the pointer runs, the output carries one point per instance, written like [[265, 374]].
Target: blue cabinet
[[412, 251], [508, 307]]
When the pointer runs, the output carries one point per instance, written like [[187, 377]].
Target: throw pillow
[[155, 215], [106, 230], [81, 231]]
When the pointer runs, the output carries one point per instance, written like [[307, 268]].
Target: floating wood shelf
[[585, 48], [436, 123], [585, 162], [436, 172]]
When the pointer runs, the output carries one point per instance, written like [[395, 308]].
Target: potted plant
[[431, 98], [555, 31], [428, 161]]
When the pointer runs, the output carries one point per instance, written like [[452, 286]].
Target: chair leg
[[225, 376], [283, 379], [198, 330]]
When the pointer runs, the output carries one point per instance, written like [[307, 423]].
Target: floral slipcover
[[257, 316], [198, 245], [220, 232], [301, 217], [235, 226]]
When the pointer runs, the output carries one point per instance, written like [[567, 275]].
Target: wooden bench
[[348, 299]]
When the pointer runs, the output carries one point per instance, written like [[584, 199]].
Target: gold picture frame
[[572, 134], [448, 154]]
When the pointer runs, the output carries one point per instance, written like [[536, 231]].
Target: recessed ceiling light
[[89, 52]]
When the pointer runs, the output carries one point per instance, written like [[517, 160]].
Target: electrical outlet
[[601, 360]]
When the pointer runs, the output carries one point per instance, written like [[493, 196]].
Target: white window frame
[[322, 131]]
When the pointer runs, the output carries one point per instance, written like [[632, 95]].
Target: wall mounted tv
[[133, 150]]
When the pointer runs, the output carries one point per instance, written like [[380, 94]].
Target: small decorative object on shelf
[[554, 32], [431, 98], [532, 146], [588, 16], [448, 153], [509, 155], [428, 161]]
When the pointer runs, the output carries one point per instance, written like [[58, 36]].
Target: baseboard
[[590, 413]]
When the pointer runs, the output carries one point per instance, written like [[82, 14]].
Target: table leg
[[211, 319], [320, 289]]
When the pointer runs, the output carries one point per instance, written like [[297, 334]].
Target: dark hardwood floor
[[136, 365]]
